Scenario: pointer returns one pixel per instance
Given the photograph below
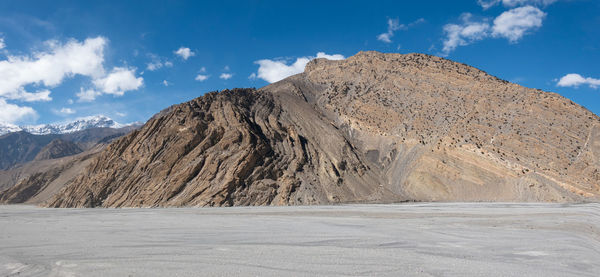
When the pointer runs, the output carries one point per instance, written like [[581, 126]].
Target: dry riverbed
[[454, 239]]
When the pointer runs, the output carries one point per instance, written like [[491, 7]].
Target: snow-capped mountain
[[6, 128], [98, 121]]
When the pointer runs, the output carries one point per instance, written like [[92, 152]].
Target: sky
[[62, 60]]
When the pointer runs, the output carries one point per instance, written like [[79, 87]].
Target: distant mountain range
[[37, 166], [98, 121]]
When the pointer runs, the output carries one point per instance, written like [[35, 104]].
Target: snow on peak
[[82, 123]]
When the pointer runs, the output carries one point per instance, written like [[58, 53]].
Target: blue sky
[[60, 60]]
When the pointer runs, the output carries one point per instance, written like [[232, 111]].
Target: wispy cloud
[[464, 33], [157, 63], [512, 25], [201, 77], [486, 4], [64, 111], [393, 26]]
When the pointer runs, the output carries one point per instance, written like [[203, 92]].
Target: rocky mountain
[[98, 121], [372, 128], [35, 167], [58, 148]]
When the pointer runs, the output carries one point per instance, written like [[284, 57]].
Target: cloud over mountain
[[278, 69], [512, 25]]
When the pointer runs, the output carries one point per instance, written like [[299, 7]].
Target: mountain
[[35, 167], [58, 148], [6, 128], [57, 159], [98, 121], [372, 128], [36, 181], [22, 147]]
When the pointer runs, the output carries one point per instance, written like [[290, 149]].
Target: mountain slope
[[21, 147], [37, 181], [58, 148], [372, 128]]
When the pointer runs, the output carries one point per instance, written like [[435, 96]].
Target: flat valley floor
[[430, 239]]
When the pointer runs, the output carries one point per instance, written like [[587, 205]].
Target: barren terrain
[[353, 240]]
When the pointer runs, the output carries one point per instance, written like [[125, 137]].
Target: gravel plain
[[423, 239]]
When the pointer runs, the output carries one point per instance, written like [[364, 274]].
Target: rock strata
[[372, 128]]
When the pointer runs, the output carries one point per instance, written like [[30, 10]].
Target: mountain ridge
[[372, 128]]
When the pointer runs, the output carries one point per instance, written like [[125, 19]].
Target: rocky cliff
[[372, 128]]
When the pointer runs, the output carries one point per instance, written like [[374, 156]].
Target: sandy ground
[[358, 240]]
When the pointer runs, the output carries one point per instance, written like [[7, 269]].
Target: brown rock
[[372, 128]]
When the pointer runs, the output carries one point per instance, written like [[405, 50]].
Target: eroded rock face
[[58, 148], [372, 128]]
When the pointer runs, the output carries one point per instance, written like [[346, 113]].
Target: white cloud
[[514, 24], [120, 114], [11, 113], [165, 83], [64, 111], [48, 68], [202, 69], [225, 76], [184, 53], [576, 80], [252, 76], [393, 26], [486, 4], [2, 44], [201, 77], [464, 34], [333, 57], [226, 68], [119, 81], [275, 70], [21, 94], [70, 101], [51, 67]]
